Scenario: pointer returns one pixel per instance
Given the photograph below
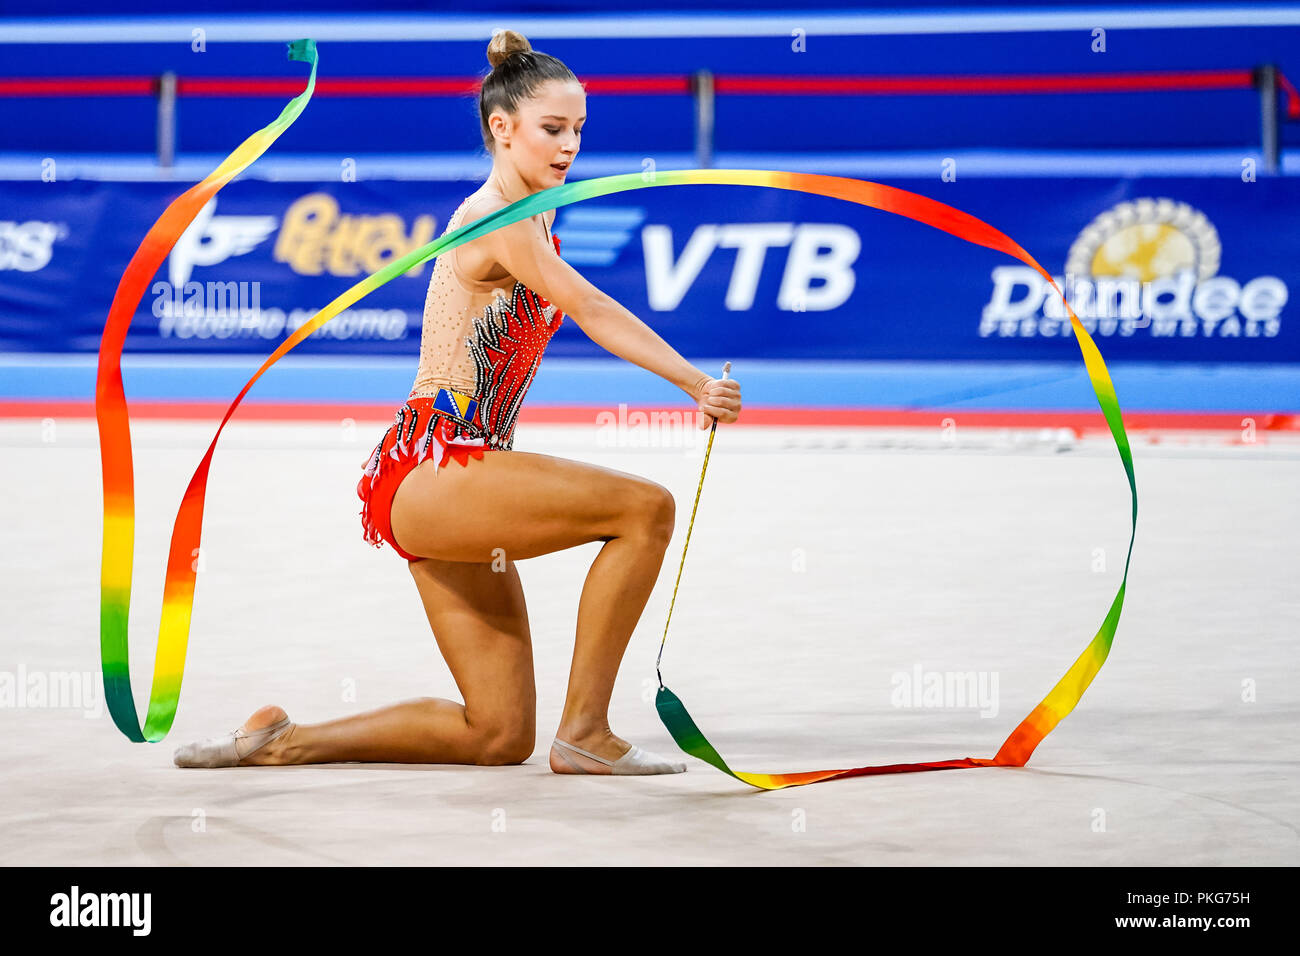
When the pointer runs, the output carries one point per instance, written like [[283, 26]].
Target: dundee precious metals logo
[[1148, 266]]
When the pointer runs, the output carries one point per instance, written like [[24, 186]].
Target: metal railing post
[[702, 88], [1266, 83], [166, 133]]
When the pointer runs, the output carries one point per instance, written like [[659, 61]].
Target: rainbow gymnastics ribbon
[[179, 585], [1016, 749], [119, 477]]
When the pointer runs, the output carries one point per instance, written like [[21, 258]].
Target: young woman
[[491, 309]]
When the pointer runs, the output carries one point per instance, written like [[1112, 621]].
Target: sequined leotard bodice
[[484, 340]]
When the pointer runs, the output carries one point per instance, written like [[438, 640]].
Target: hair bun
[[503, 44]]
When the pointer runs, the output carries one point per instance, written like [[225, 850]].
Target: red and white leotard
[[480, 346], [483, 339]]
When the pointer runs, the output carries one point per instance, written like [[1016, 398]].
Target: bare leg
[[613, 597], [524, 505], [509, 506], [491, 658]]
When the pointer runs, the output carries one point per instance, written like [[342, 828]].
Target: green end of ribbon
[[304, 50], [684, 731]]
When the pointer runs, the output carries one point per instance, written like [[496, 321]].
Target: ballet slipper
[[226, 751], [635, 761]]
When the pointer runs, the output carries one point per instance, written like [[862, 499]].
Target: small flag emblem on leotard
[[454, 403]]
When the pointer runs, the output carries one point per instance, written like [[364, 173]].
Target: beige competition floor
[[828, 572]]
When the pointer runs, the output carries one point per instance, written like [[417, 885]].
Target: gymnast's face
[[544, 137]]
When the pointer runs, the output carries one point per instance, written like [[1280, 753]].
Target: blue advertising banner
[[1160, 269]]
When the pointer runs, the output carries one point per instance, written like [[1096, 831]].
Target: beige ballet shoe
[[635, 761], [228, 750]]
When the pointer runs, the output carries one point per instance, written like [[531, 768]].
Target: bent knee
[[661, 515], [652, 512], [496, 750]]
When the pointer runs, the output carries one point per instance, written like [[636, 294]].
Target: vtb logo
[[818, 274]]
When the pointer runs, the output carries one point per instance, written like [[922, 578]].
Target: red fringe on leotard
[[396, 454]]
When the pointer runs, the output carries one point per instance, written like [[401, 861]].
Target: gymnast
[[491, 308]]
